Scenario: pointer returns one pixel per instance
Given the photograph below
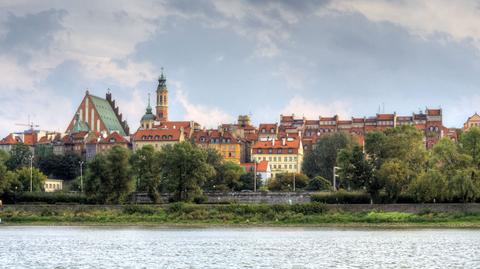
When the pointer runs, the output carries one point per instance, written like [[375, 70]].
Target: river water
[[139, 247]]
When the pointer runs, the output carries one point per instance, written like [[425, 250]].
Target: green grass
[[313, 214]]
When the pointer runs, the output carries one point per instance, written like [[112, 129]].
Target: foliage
[[24, 175], [109, 177], [321, 160], [470, 144], [284, 182], [145, 163], [428, 186], [4, 156], [8, 181], [66, 167], [395, 174], [355, 170], [185, 169], [247, 180], [20, 155], [52, 198], [319, 183]]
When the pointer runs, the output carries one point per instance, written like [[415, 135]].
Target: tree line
[[395, 162]]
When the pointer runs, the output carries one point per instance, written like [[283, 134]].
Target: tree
[[284, 182], [247, 180], [109, 177], [4, 156], [355, 170], [464, 185], [185, 169], [319, 183], [470, 144], [321, 160], [19, 157], [8, 181], [146, 169], [24, 175], [65, 167], [428, 186], [395, 174]]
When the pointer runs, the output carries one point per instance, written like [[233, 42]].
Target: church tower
[[162, 99]]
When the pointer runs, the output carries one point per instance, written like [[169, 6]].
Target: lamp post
[[81, 176], [31, 173], [294, 182], [335, 168]]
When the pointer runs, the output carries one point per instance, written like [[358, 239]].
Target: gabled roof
[[262, 166], [434, 112], [114, 138], [107, 115], [10, 140], [385, 116], [278, 144], [158, 135]]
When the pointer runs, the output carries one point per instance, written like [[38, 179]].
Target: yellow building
[[52, 185], [157, 138], [284, 155], [224, 142], [473, 121]]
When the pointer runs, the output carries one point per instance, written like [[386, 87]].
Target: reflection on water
[[110, 247]]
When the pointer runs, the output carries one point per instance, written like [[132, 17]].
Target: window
[[259, 150], [290, 150], [270, 159], [274, 159], [270, 150]]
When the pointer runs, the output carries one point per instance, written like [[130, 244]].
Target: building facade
[[283, 155]]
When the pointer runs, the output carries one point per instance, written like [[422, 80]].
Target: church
[[156, 129]]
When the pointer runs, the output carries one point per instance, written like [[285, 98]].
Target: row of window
[[272, 130], [260, 151], [157, 137], [275, 159], [285, 166], [216, 140]]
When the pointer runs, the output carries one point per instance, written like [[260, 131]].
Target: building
[[99, 115], [7, 143], [473, 121], [262, 169], [283, 155], [157, 138], [156, 129], [52, 185], [267, 131], [97, 144], [224, 142]]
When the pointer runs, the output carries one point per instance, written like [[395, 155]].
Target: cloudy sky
[[224, 58]]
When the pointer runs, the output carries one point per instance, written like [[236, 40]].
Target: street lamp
[[335, 168], [31, 173], [294, 182], [81, 176]]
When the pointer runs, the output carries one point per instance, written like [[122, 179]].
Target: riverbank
[[179, 214]]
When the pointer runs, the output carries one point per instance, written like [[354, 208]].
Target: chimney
[[284, 141], [273, 142]]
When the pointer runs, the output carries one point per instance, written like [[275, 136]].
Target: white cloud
[[210, 117], [312, 109], [459, 19]]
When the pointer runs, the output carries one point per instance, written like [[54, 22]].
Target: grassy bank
[[313, 214]]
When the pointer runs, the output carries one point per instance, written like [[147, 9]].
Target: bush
[[52, 198], [319, 183], [140, 209], [341, 197], [309, 209], [200, 199]]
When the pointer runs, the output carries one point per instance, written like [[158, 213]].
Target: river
[[141, 247]]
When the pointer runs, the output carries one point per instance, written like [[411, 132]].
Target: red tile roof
[[114, 138], [262, 166], [157, 135], [10, 140], [205, 136], [276, 146], [385, 116], [434, 112]]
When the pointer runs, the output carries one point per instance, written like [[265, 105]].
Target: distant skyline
[[225, 58]]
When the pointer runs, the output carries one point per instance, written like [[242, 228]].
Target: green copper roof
[[162, 83], [107, 115], [148, 114], [80, 126]]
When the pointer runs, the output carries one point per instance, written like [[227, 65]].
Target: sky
[[226, 58]]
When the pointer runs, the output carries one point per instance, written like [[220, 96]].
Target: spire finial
[[148, 99]]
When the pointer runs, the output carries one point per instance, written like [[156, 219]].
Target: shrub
[[319, 183], [140, 209], [52, 198], [310, 208], [200, 199]]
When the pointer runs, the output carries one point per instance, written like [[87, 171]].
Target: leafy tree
[[396, 175], [65, 167], [247, 180], [109, 177], [147, 172], [470, 143], [185, 169], [19, 157], [321, 160], [319, 183], [355, 170], [428, 186], [38, 179], [8, 181], [464, 185], [284, 182], [4, 156]]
